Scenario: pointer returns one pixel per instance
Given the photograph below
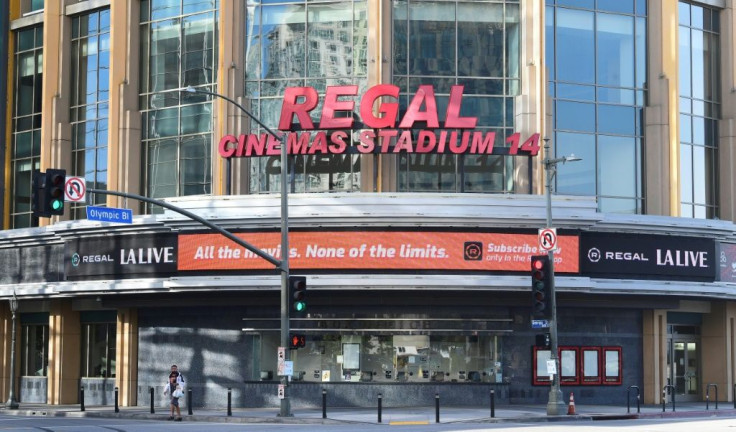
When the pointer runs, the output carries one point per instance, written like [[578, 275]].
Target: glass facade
[[34, 346], [304, 43], [390, 358], [471, 43], [178, 50], [699, 62], [98, 350], [596, 57], [89, 101], [25, 154]]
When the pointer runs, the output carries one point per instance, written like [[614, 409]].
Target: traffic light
[[297, 340], [38, 203], [541, 285], [54, 191], [297, 294], [542, 340], [47, 196]]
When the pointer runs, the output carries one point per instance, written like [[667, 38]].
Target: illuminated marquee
[[379, 132]]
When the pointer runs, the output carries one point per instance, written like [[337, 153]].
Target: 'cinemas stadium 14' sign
[[379, 128]]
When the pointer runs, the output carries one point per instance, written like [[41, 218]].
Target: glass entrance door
[[685, 369]]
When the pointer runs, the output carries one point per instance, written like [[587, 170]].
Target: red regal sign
[[378, 130]]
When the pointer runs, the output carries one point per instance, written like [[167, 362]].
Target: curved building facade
[[429, 144]]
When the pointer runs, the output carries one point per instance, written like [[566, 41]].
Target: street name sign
[[110, 214]]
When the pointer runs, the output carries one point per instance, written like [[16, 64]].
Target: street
[[87, 424]]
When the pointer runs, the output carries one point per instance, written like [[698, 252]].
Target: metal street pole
[[285, 408], [555, 403], [12, 403]]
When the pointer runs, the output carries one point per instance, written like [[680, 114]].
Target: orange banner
[[375, 250]]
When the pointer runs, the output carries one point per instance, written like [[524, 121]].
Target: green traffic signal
[[57, 205]]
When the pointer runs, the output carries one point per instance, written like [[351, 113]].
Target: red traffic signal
[[297, 341], [541, 285]]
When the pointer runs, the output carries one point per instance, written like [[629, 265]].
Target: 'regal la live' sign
[[622, 256], [381, 129]]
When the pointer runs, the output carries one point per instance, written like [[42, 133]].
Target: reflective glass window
[[699, 60], [89, 100], [25, 150], [178, 51], [459, 42], [297, 44], [598, 72]]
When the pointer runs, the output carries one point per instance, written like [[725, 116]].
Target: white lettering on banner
[[96, 258], [626, 256], [682, 258], [147, 255], [107, 215]]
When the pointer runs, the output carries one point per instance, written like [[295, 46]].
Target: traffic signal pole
[[555, 404]]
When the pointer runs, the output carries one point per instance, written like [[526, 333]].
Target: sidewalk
[[409, 415]]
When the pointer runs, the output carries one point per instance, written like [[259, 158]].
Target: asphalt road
[[67, 424]]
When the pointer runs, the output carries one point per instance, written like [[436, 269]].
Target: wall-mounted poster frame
[[612, 365], [539, 369], [569, 365], [580, 365], [590, 366]]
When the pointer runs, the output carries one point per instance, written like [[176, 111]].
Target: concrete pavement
[[389, 415]]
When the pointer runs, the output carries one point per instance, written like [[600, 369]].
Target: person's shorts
[[175, 401]]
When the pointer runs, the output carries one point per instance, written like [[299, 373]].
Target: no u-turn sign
[[548, 239]]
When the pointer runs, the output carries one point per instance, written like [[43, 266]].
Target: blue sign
[[540, 324], [110, 214]]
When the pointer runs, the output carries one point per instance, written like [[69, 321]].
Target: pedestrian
[[175, 390], [179, 376]]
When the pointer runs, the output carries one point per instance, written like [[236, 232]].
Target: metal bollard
[[152, 410], [436, 407], [229, 402], [117, 409], [493, 403], [81, 398], [189, 401], [324, 403], [664, 398], [628, 398], [380, 397]]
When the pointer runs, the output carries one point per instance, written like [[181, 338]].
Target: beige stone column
[[716, 347], [56, 90], [126, 357], [654, 355], [6, 327], [727, 124], [531, 109], [661, 133], [124, 157], [229, 119], [64, 353]]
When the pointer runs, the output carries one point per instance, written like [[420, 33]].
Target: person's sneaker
[[178, 419], [171, 418]]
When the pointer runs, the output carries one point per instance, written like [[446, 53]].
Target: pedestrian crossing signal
[[297, 341]]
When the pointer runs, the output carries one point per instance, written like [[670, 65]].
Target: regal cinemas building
[[415, 133]]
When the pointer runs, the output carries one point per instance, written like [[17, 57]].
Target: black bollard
[[152, 410], [436, 407], [493, 403], [664, 397], [324, 403], [229, 402], [380, 397], [189, 401], [117, 409], [81, 398]]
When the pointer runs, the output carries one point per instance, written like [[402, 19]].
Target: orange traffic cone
[[571, 406]]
